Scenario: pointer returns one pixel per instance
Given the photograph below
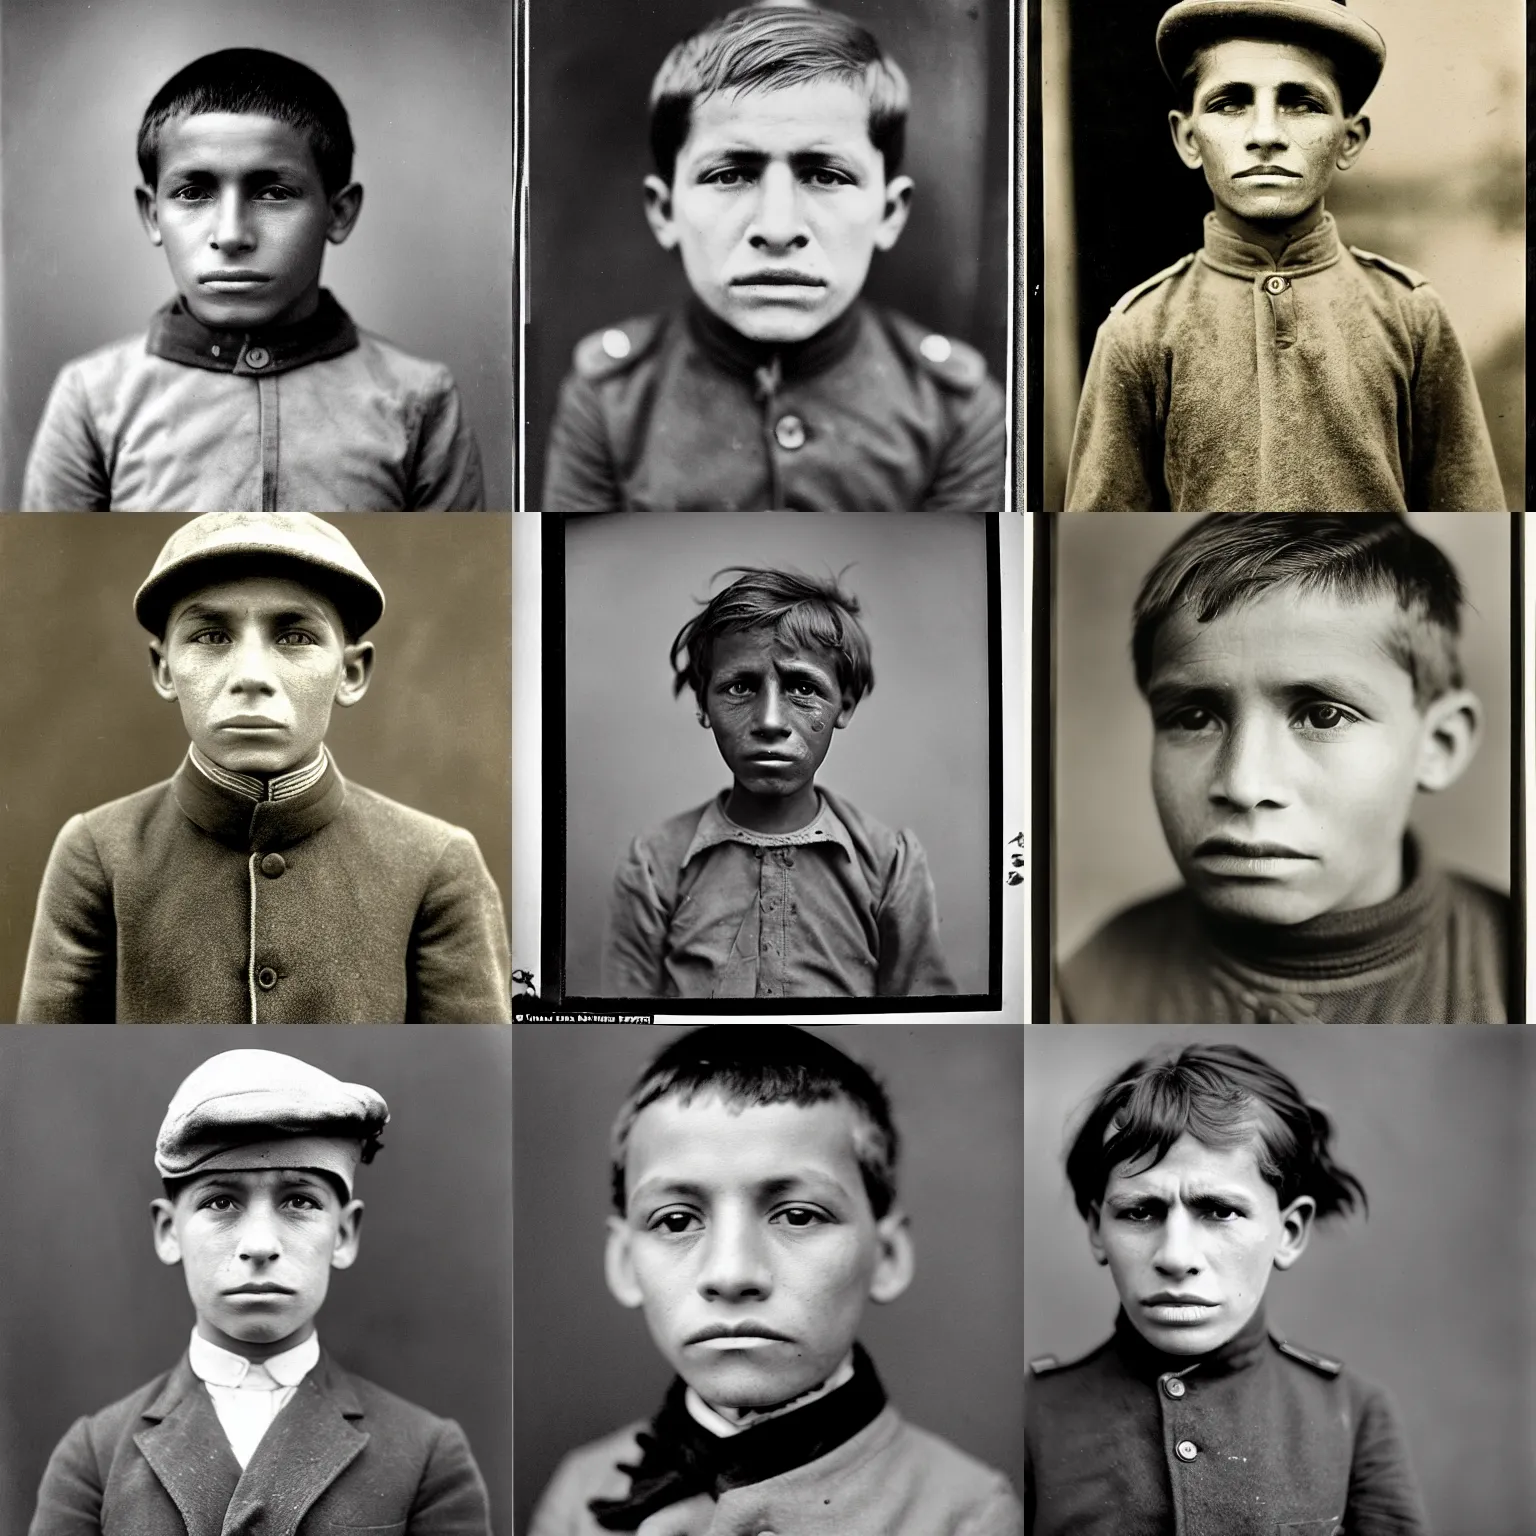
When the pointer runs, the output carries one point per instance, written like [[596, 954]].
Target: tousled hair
[[757, 1064], [1231, 558], [257, 81], [767, 47]]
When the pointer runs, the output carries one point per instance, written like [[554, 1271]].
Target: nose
[[778, 222], [734, 1265], [232, 230], [251, 671], [1178, 1251], [259, 1243], [769, 720], [1266, 127], [1248, 769]]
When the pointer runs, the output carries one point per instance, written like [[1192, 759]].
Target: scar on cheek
[[816, 725]]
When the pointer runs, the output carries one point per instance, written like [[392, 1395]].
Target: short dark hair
[[757, 1064], [1233, 557], [764, 47], [1223, 1096], [801, 610], [254, 80], [1353, 89]]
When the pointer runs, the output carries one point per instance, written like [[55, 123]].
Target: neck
[[1275, 237], [772, 814], [253, 1351]]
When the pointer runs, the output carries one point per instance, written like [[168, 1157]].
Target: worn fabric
[[343, 1455], [1436, 953], [247, 1395], [843, 907], [680, 412], [1330, 380], [190, 903], [1257, 1438], [314, 417]]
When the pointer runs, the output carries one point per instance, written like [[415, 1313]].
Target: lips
[[243, 276], [260, 1289], [250, 723], [771, 760], [737, 1331], [1175, 1299], [1235, 848], [772, 277], [1267, 170]]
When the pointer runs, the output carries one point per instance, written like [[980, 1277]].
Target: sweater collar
[[1145, 1361], [1230, 253], [178, 336], [239, 820], [768, 363]]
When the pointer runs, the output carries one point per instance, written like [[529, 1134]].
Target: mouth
[[257, 1288], [1249, 861], [771, 760], [1173, 1308], [233, 280], [724, 1336], [778, 277], [250, 723], [1268, 170]]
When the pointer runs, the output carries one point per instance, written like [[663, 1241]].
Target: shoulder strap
[[1125, 300], [1319, 1363], [1403, 274], [607, 353]]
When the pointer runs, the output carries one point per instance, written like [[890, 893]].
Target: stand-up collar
[[1146, 1362], [178, 336], [1230, 253], [740, 355], [255, 826]]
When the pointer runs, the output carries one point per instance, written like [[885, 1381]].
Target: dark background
[[948, 1350], [88, 1313], [592, 258], [81, 725]]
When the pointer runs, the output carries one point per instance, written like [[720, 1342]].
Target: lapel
[[186, 1448]]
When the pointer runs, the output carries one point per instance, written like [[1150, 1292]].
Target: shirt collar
[[1240, 1352], [1230, 253], [178, 336], [277, 814], [221, 1368], [739, 354], [283, 787], [727, 1422], [716, 827]]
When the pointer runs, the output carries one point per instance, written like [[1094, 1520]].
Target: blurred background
[[428, 90], [592, 258], [1440, 187]]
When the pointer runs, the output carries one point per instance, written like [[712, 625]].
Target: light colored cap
[[218, 541], [252, 1110]]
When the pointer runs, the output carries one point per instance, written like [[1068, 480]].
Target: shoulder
[[1054, 1374], [126, 812], [394, 366], [1120, 974], [968, 1487], [111, 1424], [954, 365], [106, 366], [1396, 272], [1481, 903], [619, 349], [591, 1471], [401, 824], [870, 835], [667, 842], [1158, 281], [1144, 929], [382, 1407], [1313, 1374]]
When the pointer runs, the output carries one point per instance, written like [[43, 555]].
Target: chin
[[1188, 1341], [783, 325], [1258, 904]]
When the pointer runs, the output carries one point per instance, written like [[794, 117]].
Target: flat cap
[[1355, 46], [214, 546], [260, 1109]]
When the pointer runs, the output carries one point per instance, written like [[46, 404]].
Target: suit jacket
[[188, 903], [344, 1455]]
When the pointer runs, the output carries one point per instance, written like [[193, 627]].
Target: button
[[214, 350], [266, 978], [1173, 1386], [936, 349], [1187, 1450], [273, 865], [790, 432], [616, 344], [1276, 284], [257, 357]]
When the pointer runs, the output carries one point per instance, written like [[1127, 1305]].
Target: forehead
[[233, 142], [1257, 61], [255, 595], [1192, 1168], [759, 649], [827, 114], [250, 1180]]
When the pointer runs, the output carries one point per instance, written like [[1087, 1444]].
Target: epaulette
[[1319, 1363], [606, 353], [1125, 300], [952, 362], [1396, 268], [1043, 1365]]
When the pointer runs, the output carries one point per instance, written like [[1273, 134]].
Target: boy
[[775, 888], [1199, 1174], [252, 390], [258, 885], [756, 1210], [1277, 370], [1303, 679], [777, 136], [256, 1428]]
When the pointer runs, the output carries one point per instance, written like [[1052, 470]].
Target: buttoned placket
[[776, 911], [1181, 1442], [253, 360]]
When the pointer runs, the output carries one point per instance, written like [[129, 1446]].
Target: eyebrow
[[196, 612], [1175, 691], [199, 170], [690, 1189], [1198, 1196]]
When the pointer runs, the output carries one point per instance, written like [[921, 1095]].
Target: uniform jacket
[[190, 903], [1258, 1438], [1329, 381], [312, 417], [680, 412], [344, 1455]]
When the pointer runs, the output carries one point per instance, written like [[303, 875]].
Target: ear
[[898, 206], [356, 673], [149, 214], [167, 1244], [658, 212], [344, 208], [349, 1232], [1182, 126], [1356, 131], [1296, 1228], [895, 1260], [1096, 1236], [160, 671], [619, 1264], [1453, 726], [845, 714]]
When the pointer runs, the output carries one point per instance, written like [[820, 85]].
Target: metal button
[[1173, 1387], [1186, 1450], [790, 432], [214, 350], [266, 978], [257, 357], [273, 865], [1276, 284], [616, 344], [936, 349]]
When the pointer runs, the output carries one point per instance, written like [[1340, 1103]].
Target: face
[[1268, 128], [1191, 1242], [777, 204], [244, 218], [1286, 751], [256, 665], [258, 1249], [750, 1244]]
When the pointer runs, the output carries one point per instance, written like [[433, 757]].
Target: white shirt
[[247, 1396], [731, 1421]]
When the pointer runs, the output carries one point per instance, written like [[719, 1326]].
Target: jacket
[[1258, 1438], [344, 1455], [682, 413], [313, 417], [1328, 381], [190, 903]]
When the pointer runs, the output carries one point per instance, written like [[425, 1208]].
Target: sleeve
[[911, 960], [66, 468], [451, 1498], [1117, 447], [71, 973], [970, 475], [635, 946], [579, 472], [1452, 468], [69, 1498], [446, 475], [460, 965], [1383, 1497]]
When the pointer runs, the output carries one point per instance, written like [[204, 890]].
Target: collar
[[773, 364], [716, 827], [1240, 1353], [221, 1368], [725, 1422], [178, 336], [284, 811], [1230, 253]]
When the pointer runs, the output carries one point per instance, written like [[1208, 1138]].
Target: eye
[[305, 1202], [1136, 1215], [726, 176], [1193, 719], [276, 193], [825, 176], [1223, 1213], [1327, 719], [736, 689], [801, 1216], [675, 1223], [296, 637], [190, 195], [209, 637], [217, 1203]]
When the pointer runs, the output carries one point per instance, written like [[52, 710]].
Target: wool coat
[[1330, 380], [344, 1455], [189, 903]]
